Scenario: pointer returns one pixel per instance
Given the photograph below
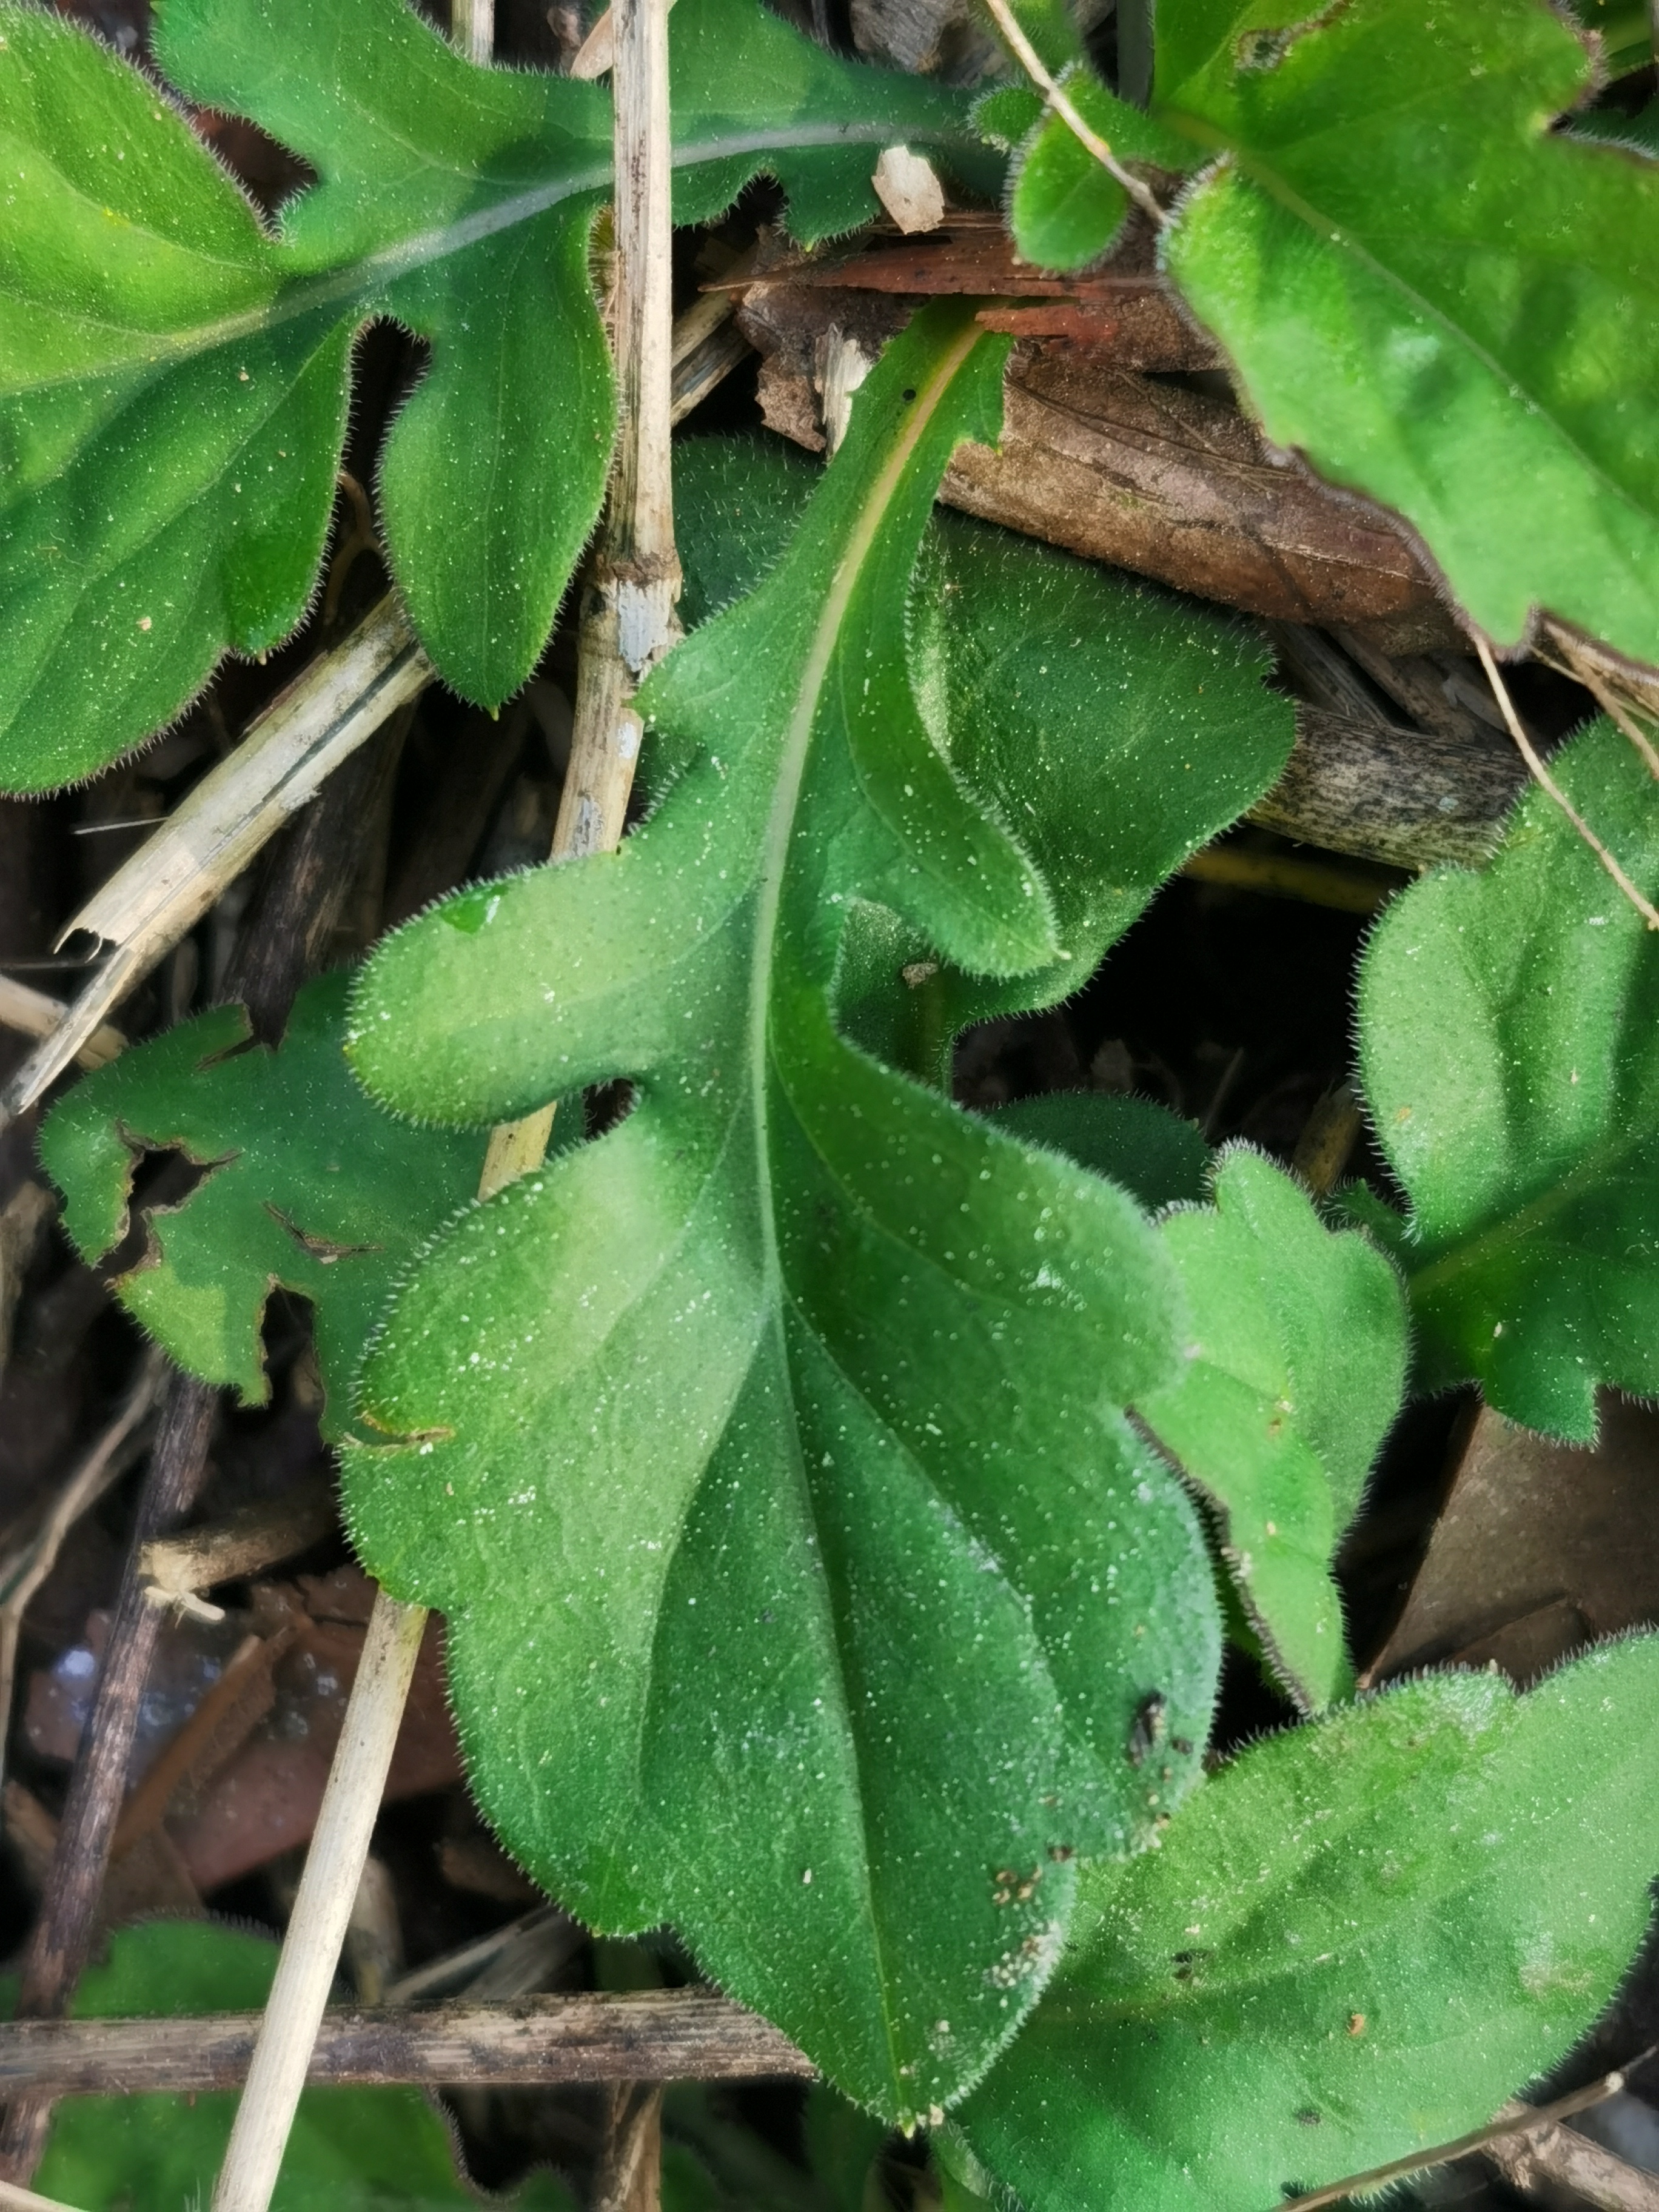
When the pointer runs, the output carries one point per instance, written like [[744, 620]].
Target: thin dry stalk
[[1611, 705], [33, 1014], [149, 903], [115, 1450], [627, 620], [175, 1568], [472, 26], [305, 1972], [1032, 63], [527, 2042], [1541, 775], [1514, 2121], [14, 2199]]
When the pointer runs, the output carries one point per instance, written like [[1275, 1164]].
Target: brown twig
[[1514, 2120], [121, 1442], [1541, 775], [62, 1939], [636, 2035]]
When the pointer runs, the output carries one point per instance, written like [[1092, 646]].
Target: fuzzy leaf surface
[[174, 377], [1359, 1939], [705, 1440], [309, 1186], [1159, 1158], [1292, 1372], [1440, 301], [1509, 1050], [358, 2150], [1114, 727], [1066, 208]]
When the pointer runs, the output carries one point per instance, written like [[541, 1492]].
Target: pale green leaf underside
[[173, 380], [1438, 300], [1293, 1370], [1358, 1940], [351, 2150], [1509, 1053], [309, 1186], [766, 1456]]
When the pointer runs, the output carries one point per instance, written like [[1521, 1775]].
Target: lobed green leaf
[[1293, 1371], [705, 1439], [309, 1185], [174, 378], [1358, 1940]]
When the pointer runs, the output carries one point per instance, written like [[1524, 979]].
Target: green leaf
[[353, 2150], [1509, 1027], [1066, 208], [1293, 1371], [1156, 1156], [309, 1185], [704, 1439], [1437, 299], [173, 379], [1115, 726], [1358, 1940]]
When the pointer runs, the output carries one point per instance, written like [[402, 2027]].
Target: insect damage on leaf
[[309, 1186], [787, 1520], [174, 378]]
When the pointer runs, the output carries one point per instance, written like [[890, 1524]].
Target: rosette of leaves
[[1508, 1027], [1359, 1939], [1351, 238], [806, 1584], [175, 375]]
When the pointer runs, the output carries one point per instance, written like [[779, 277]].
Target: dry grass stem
[[305, 1972], [1513, 2122], [1541, 775], [33, 1014]]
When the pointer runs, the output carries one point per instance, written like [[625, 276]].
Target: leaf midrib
[[369, 274], [776, 843], [1596, 1167]]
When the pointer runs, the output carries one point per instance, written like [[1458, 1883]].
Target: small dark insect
[[1146, 1730], [1182, 1746], [1307, 2117], [909, 392]]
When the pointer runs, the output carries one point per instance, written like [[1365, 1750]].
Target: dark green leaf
[[705, 1440], [1154, 1154], [173, 379], [1357, 1941], [1292, 1373], [351, 2150], [309, 1185], [1508, 1026]]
